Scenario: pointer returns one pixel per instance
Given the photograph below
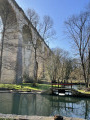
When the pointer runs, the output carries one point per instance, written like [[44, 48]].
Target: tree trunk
[[43, 70], [88, 76], [84, 74], [35, 69]]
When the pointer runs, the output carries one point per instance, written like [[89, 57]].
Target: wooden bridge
[[58, 90], [68, 92], [61, 89], [64, 91]]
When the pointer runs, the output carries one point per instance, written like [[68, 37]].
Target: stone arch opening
[[8, 15], [9, 39], [27, 35], [39, 49], [39, 44], [27, 49]]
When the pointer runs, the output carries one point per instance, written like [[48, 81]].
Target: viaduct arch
[[17, 54]]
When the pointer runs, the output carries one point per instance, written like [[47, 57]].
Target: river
[[44, 105]]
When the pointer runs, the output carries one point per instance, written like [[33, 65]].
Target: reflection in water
[[44, 105]]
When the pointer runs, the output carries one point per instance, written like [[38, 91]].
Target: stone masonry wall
[[18, 56]]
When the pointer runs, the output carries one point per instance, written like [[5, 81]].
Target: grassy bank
[[84, 91], [25, 87], [6, 119], [29, 87]]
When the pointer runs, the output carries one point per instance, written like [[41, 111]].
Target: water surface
[[44, 105]]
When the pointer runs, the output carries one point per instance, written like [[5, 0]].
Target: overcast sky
[[59, 11]]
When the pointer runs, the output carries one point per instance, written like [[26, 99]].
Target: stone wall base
[[25, 117]]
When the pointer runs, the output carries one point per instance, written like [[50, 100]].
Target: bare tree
[[45, 28], [58, 66], [47, 31], [77, 27], [35, 47], [68, 68], [33, 17]]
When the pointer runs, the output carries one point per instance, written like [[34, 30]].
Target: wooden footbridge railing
[[59, 85], [58, 88]]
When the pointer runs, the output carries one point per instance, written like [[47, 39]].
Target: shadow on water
[[44, 105]]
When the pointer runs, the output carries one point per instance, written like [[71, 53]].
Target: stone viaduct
[[18, 52]]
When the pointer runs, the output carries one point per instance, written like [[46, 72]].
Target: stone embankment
[[24, 117]]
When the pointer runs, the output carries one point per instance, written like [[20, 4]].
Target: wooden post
[[52, 88], [58, 83], [64, 83], [52, 85], [71, 84]]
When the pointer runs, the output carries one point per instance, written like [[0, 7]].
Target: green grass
[[83, 91], [6, 119], [26, 86]]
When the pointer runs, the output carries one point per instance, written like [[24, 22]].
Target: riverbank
[[25, 117], [25, 87], [40, 88]]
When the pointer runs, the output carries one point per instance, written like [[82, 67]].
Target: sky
[[59, 11]]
